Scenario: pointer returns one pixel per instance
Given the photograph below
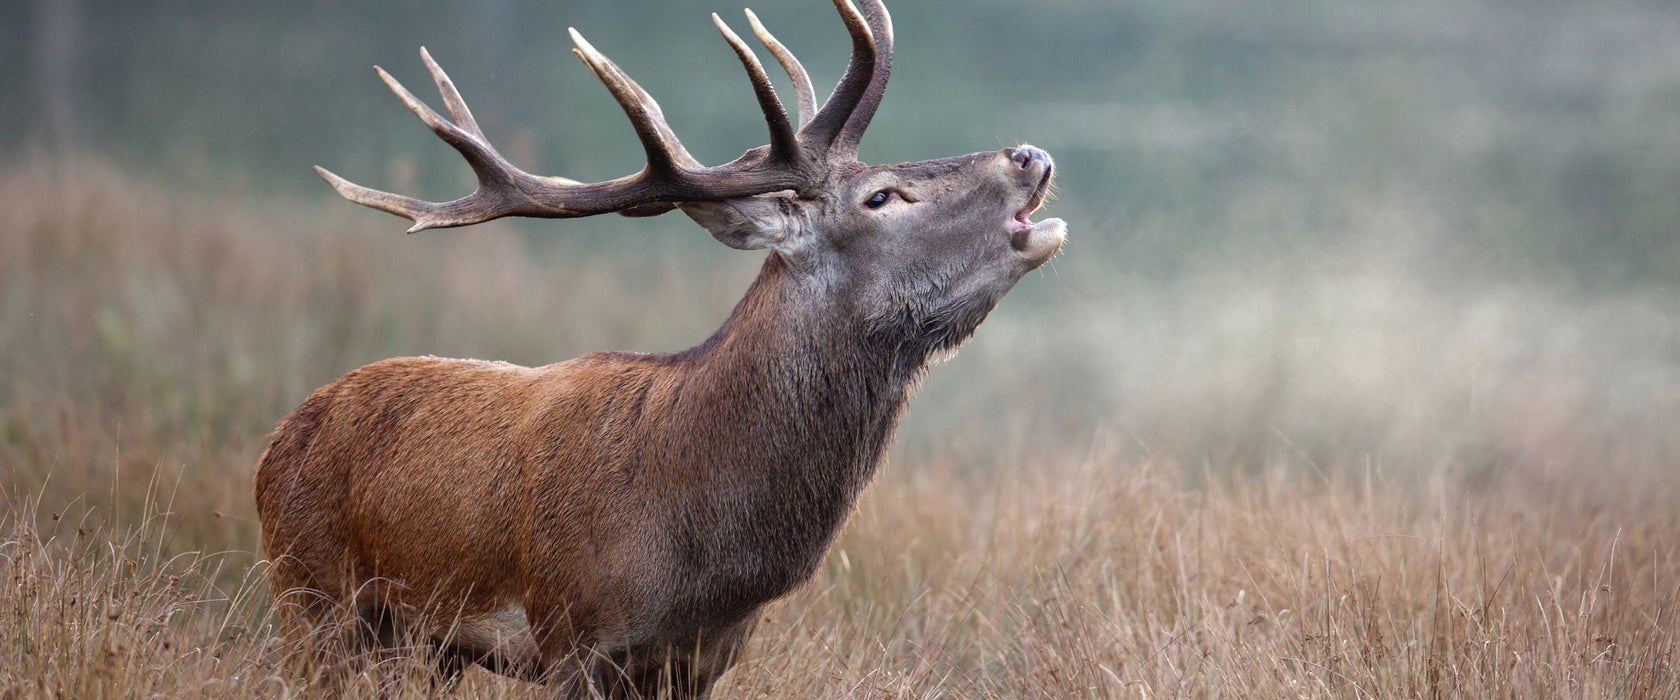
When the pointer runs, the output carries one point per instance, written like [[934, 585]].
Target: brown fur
[[617, 520], [626, 501]]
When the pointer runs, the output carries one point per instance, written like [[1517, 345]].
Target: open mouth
[[1037, 241], [1021, 222]]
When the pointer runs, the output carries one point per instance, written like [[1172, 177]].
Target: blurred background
[[1418, 237]]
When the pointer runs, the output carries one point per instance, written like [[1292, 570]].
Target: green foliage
[[1540, 137]]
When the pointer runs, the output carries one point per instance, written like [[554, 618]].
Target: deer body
[[641, 498], [616, 521]]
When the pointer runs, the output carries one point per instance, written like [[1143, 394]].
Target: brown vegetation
[[151, 341]]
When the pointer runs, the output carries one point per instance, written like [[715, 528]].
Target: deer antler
[[792, 160]]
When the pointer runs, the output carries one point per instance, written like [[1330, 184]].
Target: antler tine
[[783, 145], [665, 153], [880, 25], [476, 151], [494, 173], [452, 101], [406, 207], [823, 128], [805, 95]]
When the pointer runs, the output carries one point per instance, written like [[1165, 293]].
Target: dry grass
[[1107, 577], [153, 339]]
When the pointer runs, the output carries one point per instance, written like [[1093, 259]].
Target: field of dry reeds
[[1403, 496]]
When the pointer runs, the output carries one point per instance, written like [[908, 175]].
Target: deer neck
[[798, 368], [796, 404]]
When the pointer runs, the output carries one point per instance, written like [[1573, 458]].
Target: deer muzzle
[[1036, 242]]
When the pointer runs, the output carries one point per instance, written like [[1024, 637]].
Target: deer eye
[[879, 199]]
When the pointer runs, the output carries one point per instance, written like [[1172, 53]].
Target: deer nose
[[1025, 156]]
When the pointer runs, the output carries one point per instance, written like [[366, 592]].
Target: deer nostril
[[1024, 156]]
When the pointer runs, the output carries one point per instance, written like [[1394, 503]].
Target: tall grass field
[[1348, 486]]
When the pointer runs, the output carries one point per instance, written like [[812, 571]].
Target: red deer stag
[[614, 523]]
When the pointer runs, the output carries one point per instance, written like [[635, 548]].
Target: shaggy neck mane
[[784, 412]]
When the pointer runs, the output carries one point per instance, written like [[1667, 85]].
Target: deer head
[[924, 249], [618, 520], [930, 246]]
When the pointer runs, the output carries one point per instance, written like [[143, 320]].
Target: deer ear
[[748, 223]]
